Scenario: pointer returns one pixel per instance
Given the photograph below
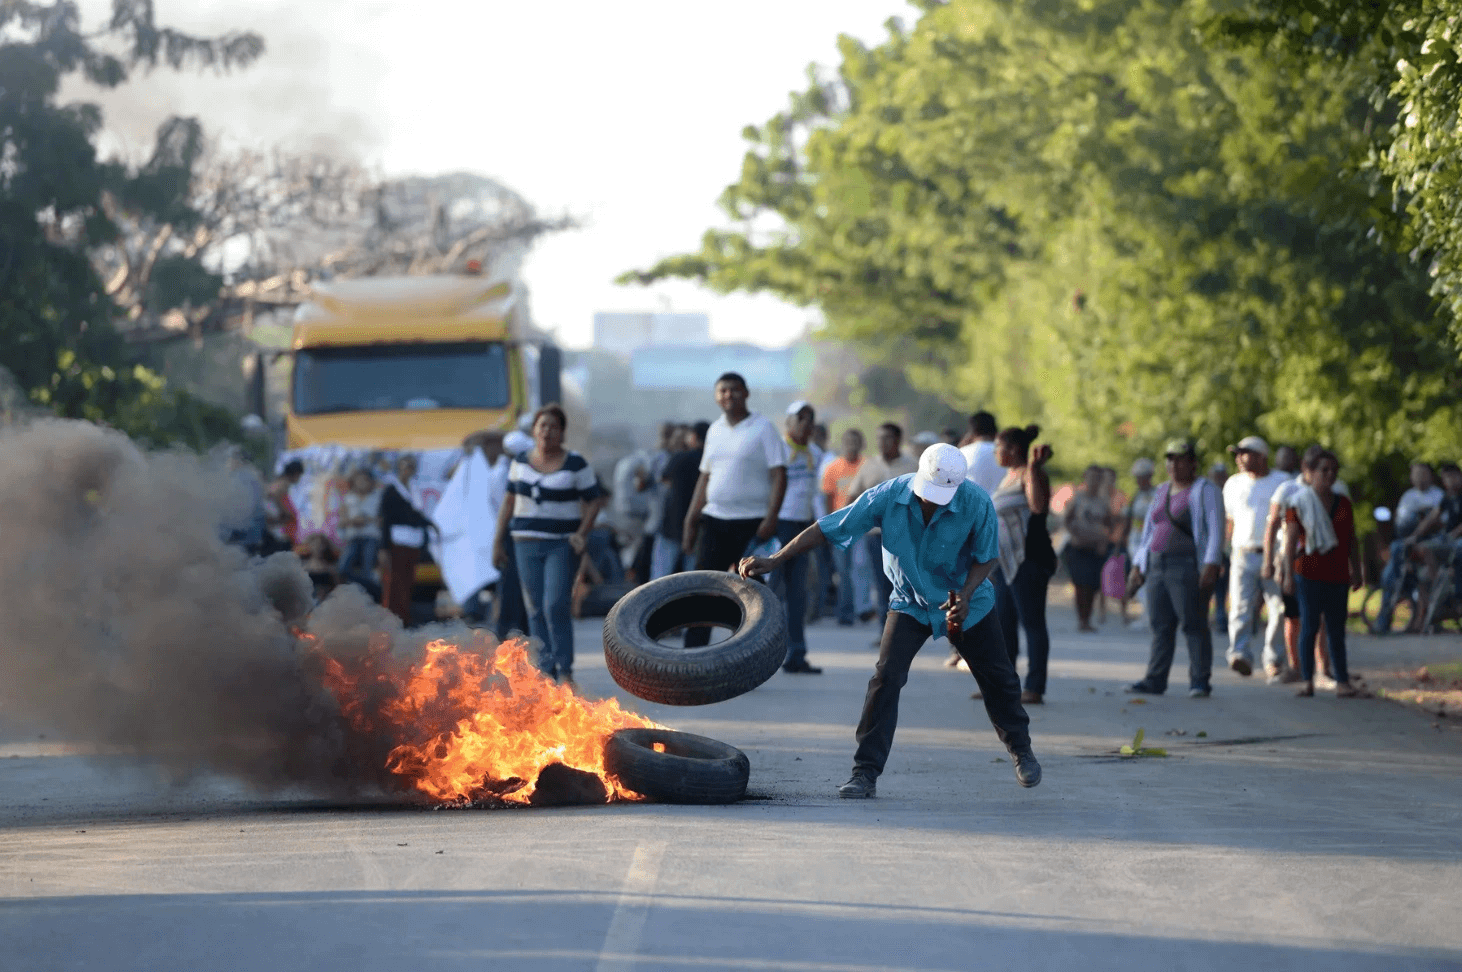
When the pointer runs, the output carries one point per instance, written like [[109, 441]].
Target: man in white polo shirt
[[740, 491], [979, 452], [1246, 499]]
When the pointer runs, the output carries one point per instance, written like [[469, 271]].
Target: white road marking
[[622, 940]]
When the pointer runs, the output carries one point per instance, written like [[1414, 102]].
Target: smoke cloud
[[126, 622], [318, 87]]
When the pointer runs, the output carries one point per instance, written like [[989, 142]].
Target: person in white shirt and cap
[[1247, 496], [804, 459], [939, 543]]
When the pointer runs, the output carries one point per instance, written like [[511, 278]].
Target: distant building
[[697, 367], [625, 333]]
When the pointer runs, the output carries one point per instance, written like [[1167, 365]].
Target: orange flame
[[472, 724]]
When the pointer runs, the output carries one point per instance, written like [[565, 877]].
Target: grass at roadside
[[1435, 689]]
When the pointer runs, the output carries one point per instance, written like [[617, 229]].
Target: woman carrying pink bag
[[1114, 576]]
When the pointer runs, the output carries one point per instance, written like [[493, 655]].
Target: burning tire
[[687, 769], [672, 675]]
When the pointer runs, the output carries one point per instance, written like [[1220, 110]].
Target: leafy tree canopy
[[56, 333], [1104, 218], [1403, 57]]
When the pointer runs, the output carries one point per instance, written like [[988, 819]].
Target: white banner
[[467, 518]]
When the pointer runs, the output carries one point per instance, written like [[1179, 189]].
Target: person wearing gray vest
[[1179, 555]]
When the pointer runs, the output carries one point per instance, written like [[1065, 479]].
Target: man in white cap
[[1246, 499], [939, 547], [803, 461]]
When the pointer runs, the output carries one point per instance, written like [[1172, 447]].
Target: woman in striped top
[[555, 497]]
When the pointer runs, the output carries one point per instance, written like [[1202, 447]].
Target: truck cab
[[384, 365], [391, 363]]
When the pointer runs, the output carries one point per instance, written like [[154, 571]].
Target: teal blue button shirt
[[925, 562]]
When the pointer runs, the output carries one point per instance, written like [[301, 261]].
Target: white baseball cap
[[942, 468], [796, 407], [515, 442], [1251, 443]]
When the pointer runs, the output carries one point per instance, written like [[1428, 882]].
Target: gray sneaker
[[1027, 770], [860, 787]]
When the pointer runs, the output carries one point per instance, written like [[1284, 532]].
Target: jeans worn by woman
[[1022, 605], [546, 571], [1328, 603], [358, 564]]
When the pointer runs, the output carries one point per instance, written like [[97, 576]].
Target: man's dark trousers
[[982, 646], [720, 546], [1174, 602]]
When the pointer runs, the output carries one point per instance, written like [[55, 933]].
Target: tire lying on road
[[689, 769], [673, 675]]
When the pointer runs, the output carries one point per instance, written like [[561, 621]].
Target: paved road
[[1297, 834]]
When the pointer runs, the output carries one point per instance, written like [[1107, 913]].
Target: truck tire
[[695, 676], [688, 769]]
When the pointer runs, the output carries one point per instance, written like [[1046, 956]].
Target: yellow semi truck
[[385, 365], [415, 363]]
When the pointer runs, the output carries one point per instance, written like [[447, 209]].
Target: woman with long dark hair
[[1321, 565], [555, 498], [1026, 559]]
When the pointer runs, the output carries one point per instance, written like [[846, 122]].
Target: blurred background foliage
[[1125, 220], [59, 203]]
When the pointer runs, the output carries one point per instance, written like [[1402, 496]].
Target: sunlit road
[[1296, 834]]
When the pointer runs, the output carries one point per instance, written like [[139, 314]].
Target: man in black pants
[[939, 537], [739, 494]]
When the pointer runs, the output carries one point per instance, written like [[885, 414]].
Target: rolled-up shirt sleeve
[[842, 527]]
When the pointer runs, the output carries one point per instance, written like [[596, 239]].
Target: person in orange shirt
[[837, 481]]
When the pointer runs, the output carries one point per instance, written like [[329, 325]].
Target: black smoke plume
[[126, 622]]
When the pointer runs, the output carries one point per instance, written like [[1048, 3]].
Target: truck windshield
[[401, 376]]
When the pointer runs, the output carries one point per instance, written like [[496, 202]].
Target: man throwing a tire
[[939, 536]]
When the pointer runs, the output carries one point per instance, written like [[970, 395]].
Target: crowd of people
[[956, 537]]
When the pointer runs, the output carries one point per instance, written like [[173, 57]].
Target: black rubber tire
[[695, 676], [692, 769]]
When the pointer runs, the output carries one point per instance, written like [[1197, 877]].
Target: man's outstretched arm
[[808, 539]]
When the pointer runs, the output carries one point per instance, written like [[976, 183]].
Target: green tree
[[1403, 58], [56, 332], [1095, 217]]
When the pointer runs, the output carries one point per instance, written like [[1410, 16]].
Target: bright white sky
[[626, 114]]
